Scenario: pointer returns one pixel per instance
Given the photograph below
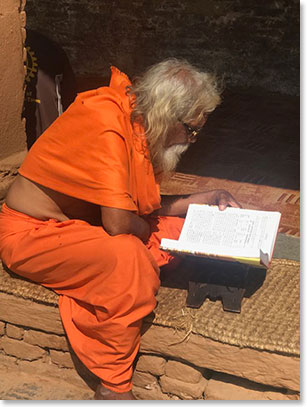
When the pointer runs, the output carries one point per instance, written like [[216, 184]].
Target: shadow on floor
[[251, 138]]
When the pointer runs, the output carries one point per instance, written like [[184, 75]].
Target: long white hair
[[169, 91]]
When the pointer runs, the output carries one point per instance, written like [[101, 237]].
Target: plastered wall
[[12, 72], [12, 133]]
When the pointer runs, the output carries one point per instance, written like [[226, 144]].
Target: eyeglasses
[[192, 132]]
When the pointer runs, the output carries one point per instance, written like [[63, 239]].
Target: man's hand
[[120, 221], [178, 205], [223, 199]]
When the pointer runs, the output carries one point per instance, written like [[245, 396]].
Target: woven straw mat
[[15, 285], [269, 319]]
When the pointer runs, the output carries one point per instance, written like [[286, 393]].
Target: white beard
[[171, 156]]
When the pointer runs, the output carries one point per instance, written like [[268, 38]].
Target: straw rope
[[269, 319]]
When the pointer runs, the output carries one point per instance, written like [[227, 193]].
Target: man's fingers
[[235, 203], [223, 202], [227, 200]]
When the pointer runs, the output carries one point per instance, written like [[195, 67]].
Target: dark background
[[253, 45]]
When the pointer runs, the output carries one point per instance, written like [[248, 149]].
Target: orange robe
[[106, 284]]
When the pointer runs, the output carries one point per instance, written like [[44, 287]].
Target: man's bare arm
[[177, 205], [120, 221]]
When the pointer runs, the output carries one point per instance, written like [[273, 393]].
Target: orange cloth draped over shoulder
[[92, 152], [106, 284]]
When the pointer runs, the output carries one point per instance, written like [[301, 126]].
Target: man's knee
[[127, 252], [131, 246], [134, 274], [131, 252], [130, 241]]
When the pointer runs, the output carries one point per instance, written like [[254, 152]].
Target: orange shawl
[[92, 152]]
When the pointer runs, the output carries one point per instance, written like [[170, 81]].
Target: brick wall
[[32, 340], [155, 378], [252, 43], [161, 378]]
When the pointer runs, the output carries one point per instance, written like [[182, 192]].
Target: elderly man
[[85, 217]]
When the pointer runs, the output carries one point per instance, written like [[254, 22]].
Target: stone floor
[[250, 138], [28, 387]]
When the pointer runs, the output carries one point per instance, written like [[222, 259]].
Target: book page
[[233, 232]]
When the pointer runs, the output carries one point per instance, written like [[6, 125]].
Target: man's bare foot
[[102, 393]]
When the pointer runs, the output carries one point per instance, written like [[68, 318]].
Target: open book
[[243, 235]]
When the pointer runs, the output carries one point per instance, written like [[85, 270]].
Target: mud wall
[[12, 68], [12, 133], [253, 44], [35, 343]]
